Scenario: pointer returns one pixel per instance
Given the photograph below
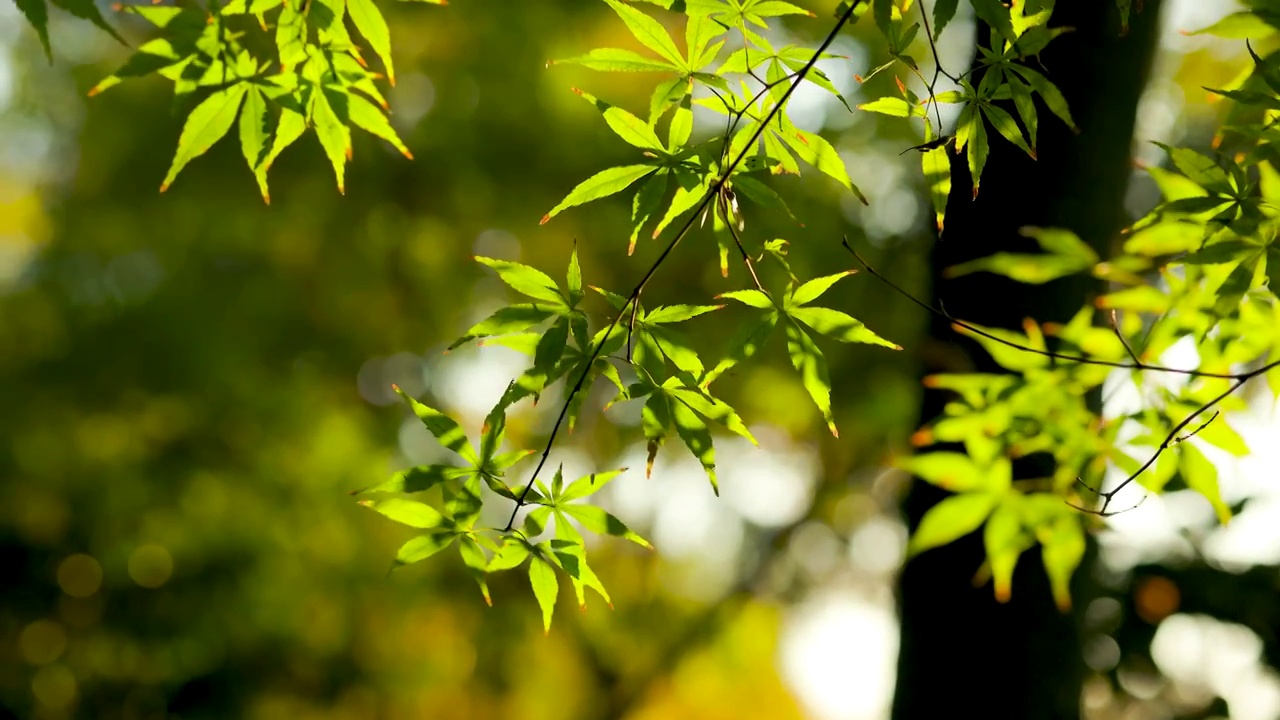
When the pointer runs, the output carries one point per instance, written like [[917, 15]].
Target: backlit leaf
[[809, 361], [424, 546], [418, 479], [510, 319], [370, 118], [951, 519], [697, 437], [618, 60], [328, 117], [369, 21], [646, 202], [525, 280], [627, 126], [1005, 541], [1201, 475], [206, 125], [407, 512], [839, 326], [442, 427], [542, 576], [255, 133], [600, 522], [813, 289], [602, 184], [1063, 547], [649, 32]]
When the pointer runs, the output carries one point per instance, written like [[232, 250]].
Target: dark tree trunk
[[961, 651]]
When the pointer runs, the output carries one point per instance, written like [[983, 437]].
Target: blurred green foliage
[[181, 379]]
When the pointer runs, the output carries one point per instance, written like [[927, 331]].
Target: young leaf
[[667, 95], [712, 408], [1063, 548], [573, 278], [473, 557], [699, 31], [510, 319], [993, 13], [937, 174], [952, 471], [151, 57], [813, 289], [254, 133], [681, 126], [618, 60], [291, 127], [697, 437], [1026, 107], [569, 555], [892, 106], [646, 202], [424, 546], [442, 427], [1004, 540], [368, 117], [690, 190], [839, 326], [951, 519], [816, 151], [328, 111], [977, 146], [1048, 92], [943, 11], [369, 21], [291, 33], [649, 32], [602, 184], [525, 280], [511, 554], [600, 522], [1202, 170], [417, 479], [542, 576], [746, 342], [752, 298], [627, 126], [588, 485], [206, 125], [1008, 127], [1201, 475], [88, 10], [808, 359], [407, 512], [38, 15], [546, 357]]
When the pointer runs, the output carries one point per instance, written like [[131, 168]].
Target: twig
[[941, 312], [1196, 432], [1115, 327]]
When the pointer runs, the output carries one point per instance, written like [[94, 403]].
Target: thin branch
[[1196, 432], [688, 224], [746, 259], [1172, 438], [1082, 359], [937, 69], [1115, 327], [933, 49]]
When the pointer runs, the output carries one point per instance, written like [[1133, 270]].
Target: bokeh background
[[192, 382]]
